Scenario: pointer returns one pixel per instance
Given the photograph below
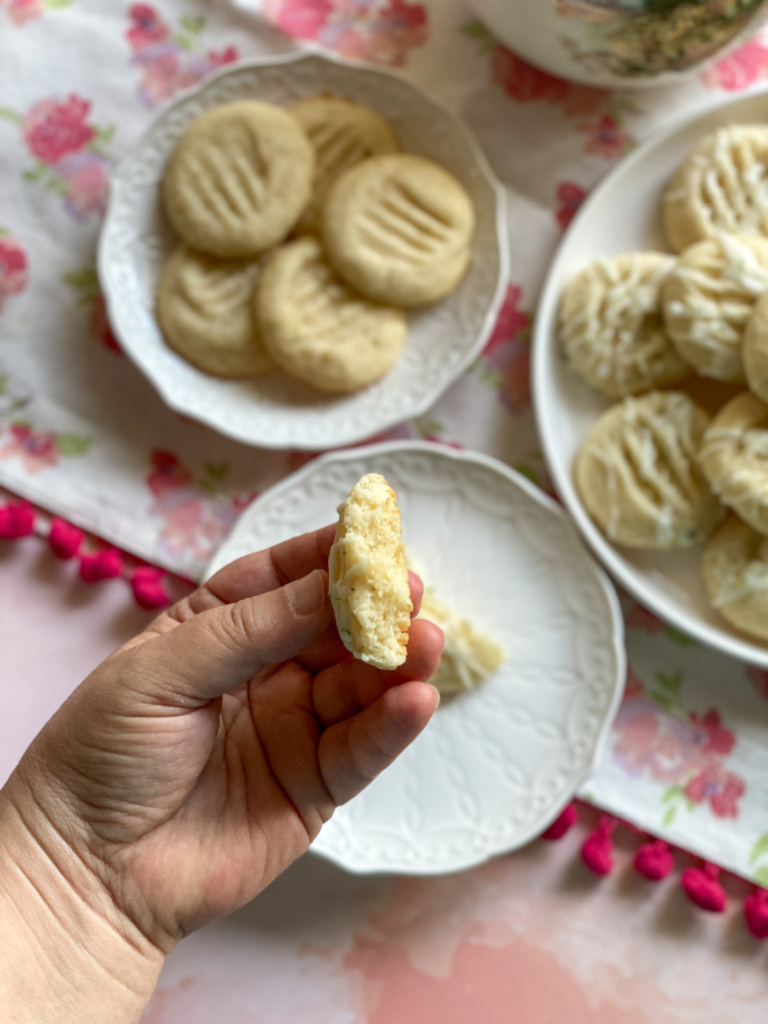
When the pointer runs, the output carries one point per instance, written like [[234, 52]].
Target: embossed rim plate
[[274, 411], [497, 765], [668, 584]]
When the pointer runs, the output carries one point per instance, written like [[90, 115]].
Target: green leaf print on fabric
[[73, 444], [759, 850]]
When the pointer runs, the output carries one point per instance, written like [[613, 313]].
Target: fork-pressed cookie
[[368, 575], [238, 179], [342, 134], [318, 329], [734, 566], [638, 475], [611, 328], [722, 185], [399, 229], [205, 310]]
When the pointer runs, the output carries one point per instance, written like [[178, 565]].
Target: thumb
[[222, 648]]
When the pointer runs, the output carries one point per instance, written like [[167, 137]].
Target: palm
[[212, 777]]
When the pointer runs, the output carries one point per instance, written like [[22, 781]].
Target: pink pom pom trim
[[64, 539], [756, 913], [703, 888], [147, 589], [560, 826], [597, 851], [103, 565], [17, 520], [654, 861]]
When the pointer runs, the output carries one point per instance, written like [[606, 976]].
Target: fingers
[[346, 689], [220, 649], [254, 574], [353, 752]]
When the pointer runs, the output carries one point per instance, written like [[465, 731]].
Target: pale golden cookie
[[734, 566], [342, 134], [319, 330], [637, 474], [708, 299], [399, 229], [205, 310], [611, 327], [734, 457], [368, 576], [238, 179], [721, 186], [754, 350]]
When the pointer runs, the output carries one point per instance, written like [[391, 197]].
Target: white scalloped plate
[[275, 411], [497, 765], [623, 215]]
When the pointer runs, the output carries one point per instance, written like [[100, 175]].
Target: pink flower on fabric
[[524, 82], [14, 275], [607, 139], [303, 19], [168, 473], [640, 618], [219, 58], [635, 748], [722, 789], [508, 353], [147, 27], [100, 326], [87, 181], [21, 11], [37, 451], [711, 734], [53, 130], [569, 199], [510, 321], [741, 69]]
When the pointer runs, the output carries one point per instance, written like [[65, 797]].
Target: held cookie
[[734, 567], [319, 330], [721, 186], [205, 310], [368, 577], [342, 134], [734, 457], [399, 229], [708, 299], [637, 474], [611, 327], [238, 179]]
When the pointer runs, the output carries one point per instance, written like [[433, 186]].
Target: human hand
[[198, 761]]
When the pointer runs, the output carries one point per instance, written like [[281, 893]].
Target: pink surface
[[531, 937]]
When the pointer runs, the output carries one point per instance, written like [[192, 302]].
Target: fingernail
[[308, 594]]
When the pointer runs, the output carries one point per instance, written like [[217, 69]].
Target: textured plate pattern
[[668, 583], [495, 766], [274, 411]]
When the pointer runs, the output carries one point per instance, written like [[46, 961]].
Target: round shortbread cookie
[[205, 310], [637, 474], [319, 330], [611, 327], [721, 186], [342, 134], [734, 567], [734, 457], [368, 576], [238, 179], [399, 229], [708, 298], [754, 350]]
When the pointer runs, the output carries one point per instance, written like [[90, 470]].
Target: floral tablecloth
[[83, 434]]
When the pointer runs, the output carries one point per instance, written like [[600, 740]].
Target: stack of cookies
[[656, 471], [305, 234]]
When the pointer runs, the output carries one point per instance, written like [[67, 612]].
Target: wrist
[[69, 955]]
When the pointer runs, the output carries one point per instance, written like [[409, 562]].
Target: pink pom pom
[[654, 861], [756, 913], [104, 565], [703, 888], [147, 589], [560, 826], [597, 851], [16, 520], [64, 538]]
